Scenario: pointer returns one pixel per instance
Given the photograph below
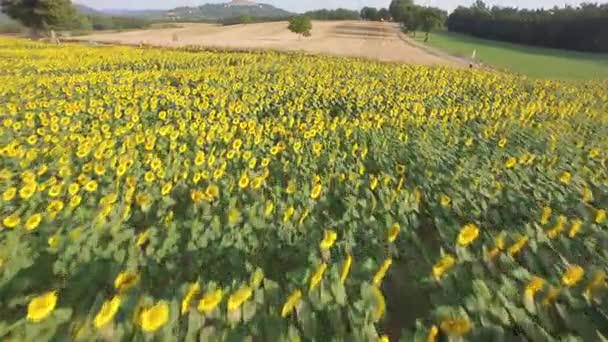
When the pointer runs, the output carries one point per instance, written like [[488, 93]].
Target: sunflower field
[[154, 194]]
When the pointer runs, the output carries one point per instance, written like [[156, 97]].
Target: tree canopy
[[40, 14], [335, 14], [300, 25], [583, 28]]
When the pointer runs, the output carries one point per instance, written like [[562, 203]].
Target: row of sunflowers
[[179, 195]]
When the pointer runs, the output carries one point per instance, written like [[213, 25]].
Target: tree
[[384, 14], [398, 9], [40, 15], [369, 13], [428, 20], [300, 25], [582, 28]]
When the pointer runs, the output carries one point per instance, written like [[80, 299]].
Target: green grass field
[[531, 61]]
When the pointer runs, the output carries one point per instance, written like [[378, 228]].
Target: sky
[[305, 5]]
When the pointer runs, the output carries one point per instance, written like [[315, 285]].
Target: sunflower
[[444, 264], [393, 231], [291, 303], [210, 301], [573, 275], [33, 221], [468, 234], [317, 276], [329, 238], [107, 312], [42, 306], [239, 297], [316, 191], [153, 318]]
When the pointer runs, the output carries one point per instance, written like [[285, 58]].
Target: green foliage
[[300, 25], [374, 14], [527, 60], [40, 14], [399, 8], [335, 14], [582, 28]]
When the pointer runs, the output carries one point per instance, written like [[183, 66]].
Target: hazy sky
[[304, 5]]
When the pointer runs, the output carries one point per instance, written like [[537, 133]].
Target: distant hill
[[234, 8], [228, 10], [86, 10]]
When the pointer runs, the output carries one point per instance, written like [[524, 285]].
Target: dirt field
[[374, 40]]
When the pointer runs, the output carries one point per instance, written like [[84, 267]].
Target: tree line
[[44, 15], [416, 18], [582, 28]]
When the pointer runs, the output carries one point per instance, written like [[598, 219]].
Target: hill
[[232, 9]]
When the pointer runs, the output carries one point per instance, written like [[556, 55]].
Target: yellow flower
[[125, 281], [212, 191], [433, 332], [210, 301], [594, 153], [27, 190], [587, 195], [33, 222], [511, 162], [73, 188], [518, 245], [383, 338], [257, 182], [90, 186], [291, 187], [11, 221], [239, 297], [288, 214], [155, 317], [559, 227], [42, 306], [55, 190], [468, 234], [166, 189], [445, 201], [291, 303], [535, 285], [234, 216], [329, 238], [244, 181], [502, 142], [9, 194], [456, 326], [446, 263], [393, 231], [317, 276], [197, 196], [382, 271], [346, 268], [107, 312], [565, 177], [193, 290], [380, 303], [546, 215], [316, 191], [53, 241], [75, 201], [573, 275], [256, 278], [600, 216], [575, 228], [373, 184], [143, 238], [268, 209]]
